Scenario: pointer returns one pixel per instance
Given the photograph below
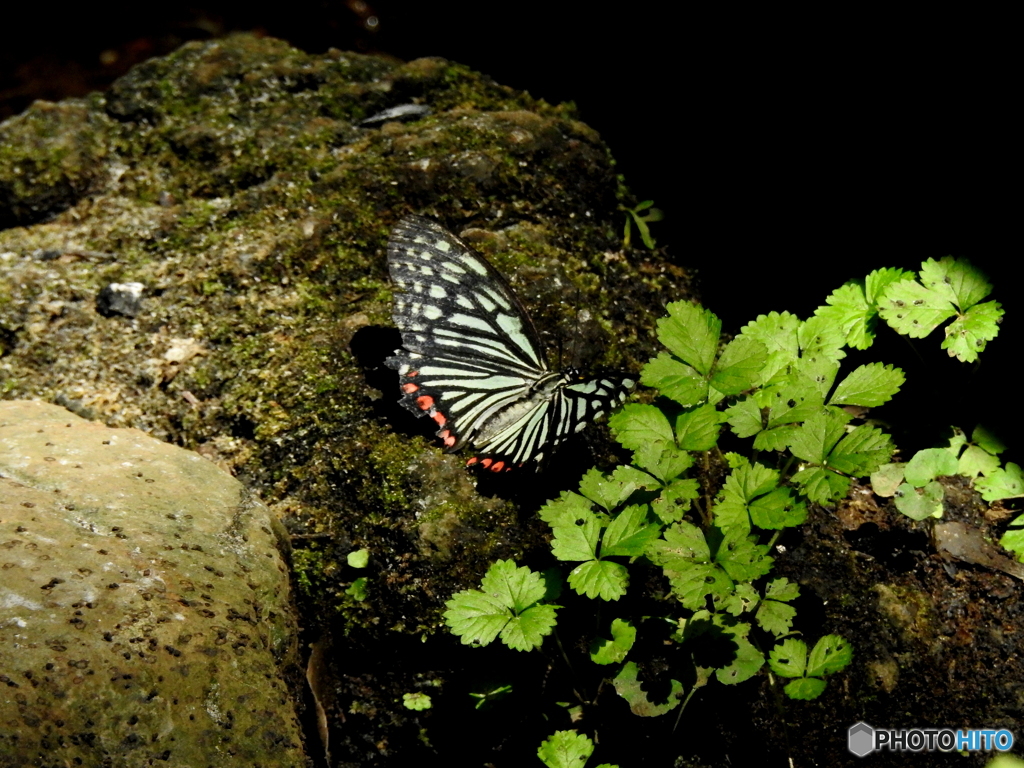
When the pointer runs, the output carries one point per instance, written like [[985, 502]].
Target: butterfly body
[[471, 358]]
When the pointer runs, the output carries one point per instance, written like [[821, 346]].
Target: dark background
[[789, 151]]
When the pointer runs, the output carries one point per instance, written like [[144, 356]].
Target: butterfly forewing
[[471, 358]]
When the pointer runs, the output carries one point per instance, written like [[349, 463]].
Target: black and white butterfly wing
[[471, 358]]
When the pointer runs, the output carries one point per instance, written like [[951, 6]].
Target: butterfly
[[471, 359]]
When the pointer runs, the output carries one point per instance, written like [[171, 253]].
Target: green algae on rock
[[144, 607]]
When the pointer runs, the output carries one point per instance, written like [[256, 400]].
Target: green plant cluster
[[707, 519]]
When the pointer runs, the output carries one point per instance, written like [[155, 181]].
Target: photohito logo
[[862, 739]]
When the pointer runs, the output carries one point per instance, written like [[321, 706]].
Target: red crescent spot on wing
[[409, 388], [425, 402], [439, 418], [448, 437], [410, 374], [472, 461], [497, 466], [487, 462]]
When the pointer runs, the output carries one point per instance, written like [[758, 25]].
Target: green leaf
[[821, 485], [629, 533], [748, 659], [629, 687], [929, 464], [777, 510], [744, 417], [805, 688], [1013, 539], [782, 589], [886, 479], [745, 598], [778, 333], [829, 655], [565, 749], [919, 503], [878, 281], [600, 578], [793, 402], [740, 366], [357, 589], [605, 651], [675, 380], [816, 438], [1005, 483], [691, 333], [575, 537], [861, 452], [506, 604], [775, 617], [610, 491], [955, 280], [819, 338], [416, 701], [636, 426], [686, 557], [698, 429], [869, 386], [742, 557], [850, 311], [987, 440], [567, 507], [358, 558], [789, 658], [969, 334], [974, 461], [674, 500], [913, 310], [664, 462]]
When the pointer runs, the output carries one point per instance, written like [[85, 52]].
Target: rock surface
[[144, 606]]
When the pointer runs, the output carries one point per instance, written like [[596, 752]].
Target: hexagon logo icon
[[860, 739]]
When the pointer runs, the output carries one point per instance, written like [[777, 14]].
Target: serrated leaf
[[664, 462], [861, 452], [507, 594], [741, 557], [819, 338], [830, 654], [697, 430], [605, 651], [610, 491], [924, 466], [919, 503], [600, 578], [637, 425], [359, 558], [778, 333], [674, 500], [628, 686], [775, 617], [568, 506], [974, 461], [745, 598], [816, 438], [776, 439], [886, 479], [528, 630], [789, 658], [869, 386], [747, 661], [1013, 539], [987, 440], [782, 589], [913, 310], [1005, 483], [805, 688], [876, 283], [629, 534], [968, 335], [744, 417], [739, 366], [794, 402], [822, 485], [849, 310], [565, 749], [956, 280], [675, 380], [691, 333], [777, 510], [819, 371], [575, 537]]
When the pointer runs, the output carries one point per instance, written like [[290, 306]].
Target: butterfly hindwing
[[471, 358]]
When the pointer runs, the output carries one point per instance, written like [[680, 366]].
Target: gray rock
[[144, 607]]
